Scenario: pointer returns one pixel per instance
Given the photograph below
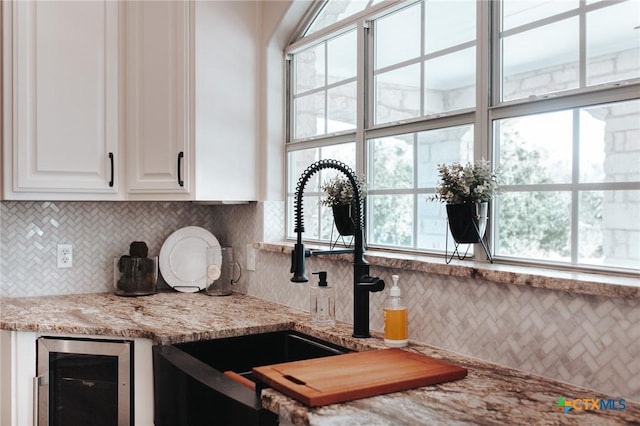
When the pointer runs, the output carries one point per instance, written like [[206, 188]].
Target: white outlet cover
[[65, 256]]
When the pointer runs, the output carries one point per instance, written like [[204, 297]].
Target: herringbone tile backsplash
[[99, 231], [585, 340]]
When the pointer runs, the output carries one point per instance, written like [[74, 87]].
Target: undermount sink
[[191, 387]]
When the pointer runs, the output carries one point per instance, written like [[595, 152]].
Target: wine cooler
[[84, 382]]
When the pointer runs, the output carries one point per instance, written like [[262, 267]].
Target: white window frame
[[488, 106]]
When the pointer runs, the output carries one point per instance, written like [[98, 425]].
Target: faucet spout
[[363, 283]]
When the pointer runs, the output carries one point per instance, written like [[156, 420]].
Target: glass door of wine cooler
[[84, 382]]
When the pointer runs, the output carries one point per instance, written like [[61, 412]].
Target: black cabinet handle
[[111, 161], [180, 157]]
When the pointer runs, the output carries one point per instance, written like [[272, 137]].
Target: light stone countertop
[[489, 395]]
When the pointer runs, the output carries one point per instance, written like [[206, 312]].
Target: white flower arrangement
[[473, 183], [338, 190]]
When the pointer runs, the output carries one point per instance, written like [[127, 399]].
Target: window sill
[[565, 281]]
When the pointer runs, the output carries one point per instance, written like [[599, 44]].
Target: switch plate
[[65, 255], [251, 258]]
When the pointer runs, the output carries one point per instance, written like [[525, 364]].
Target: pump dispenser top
[[322, 278], [395, 290]]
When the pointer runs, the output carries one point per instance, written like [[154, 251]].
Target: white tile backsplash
[[98, 231]]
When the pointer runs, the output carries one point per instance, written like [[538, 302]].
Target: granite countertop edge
[[491, 393]]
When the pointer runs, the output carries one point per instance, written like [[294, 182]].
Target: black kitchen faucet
[[363, 283]]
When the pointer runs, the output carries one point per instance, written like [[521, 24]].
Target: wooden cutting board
[[341, 378]]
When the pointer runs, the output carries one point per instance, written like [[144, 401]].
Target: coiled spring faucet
[[363, 283]]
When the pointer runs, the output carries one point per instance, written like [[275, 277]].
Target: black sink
[[191, 389], [240, 354]]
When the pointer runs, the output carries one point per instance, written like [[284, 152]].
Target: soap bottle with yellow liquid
[[396, 330]]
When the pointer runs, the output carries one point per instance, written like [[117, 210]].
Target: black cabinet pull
[[180, 157], [111, 161]]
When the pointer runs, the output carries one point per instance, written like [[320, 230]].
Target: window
[[424, 66], [573, 206], [317, 219], [607, 33], [547, 90], [402, 172], [324, 95], [571, 161]]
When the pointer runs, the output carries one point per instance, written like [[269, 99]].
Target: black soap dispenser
[[322, 302]]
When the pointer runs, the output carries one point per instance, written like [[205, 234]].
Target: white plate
[[183, 258]]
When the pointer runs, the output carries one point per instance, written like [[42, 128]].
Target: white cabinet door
[[225, 92], [187, 91], [159, 156], [60, 74], [18, 370]]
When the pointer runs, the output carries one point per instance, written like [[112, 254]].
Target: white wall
[[279, 21]]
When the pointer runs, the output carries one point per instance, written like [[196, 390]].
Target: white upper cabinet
[[135, 100], [157, 107], [225, 99], [60, 100], [191, 75]]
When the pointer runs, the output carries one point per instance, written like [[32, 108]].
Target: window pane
[[535, 149], [309, 115], [318, 219], [397, 37], [319, 108], [432, 227], [392, 162], [345, 152], [309, 69], [592, 146], [341, 108], [519, 12], [397, 94], [613, 43], [301, 159], [448, 145], [391, 220], [449, 23], [609, 228], [334, 11], [609, 143], [450, 82], [311, 215], [534, 225], [298, 161], [342, 56], [327, 226], [541, 61]]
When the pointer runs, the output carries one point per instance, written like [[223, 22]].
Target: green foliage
[[338, 190], [392, 215], [531, 223], [473, 183], [393, 220]]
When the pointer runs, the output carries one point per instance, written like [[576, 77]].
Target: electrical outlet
[[65, 255]]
